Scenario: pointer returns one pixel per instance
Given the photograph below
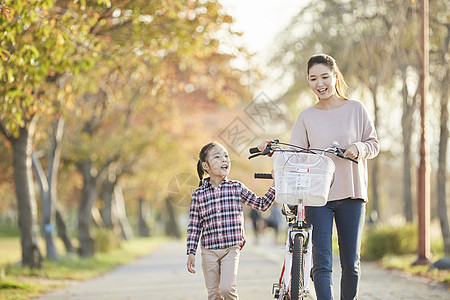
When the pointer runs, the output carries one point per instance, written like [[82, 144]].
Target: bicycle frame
[[296, 227], [302, 182]]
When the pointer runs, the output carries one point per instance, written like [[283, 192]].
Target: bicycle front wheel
[[297, 280]]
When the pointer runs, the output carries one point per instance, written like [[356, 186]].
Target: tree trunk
[[442, 167], [106, 195], [46, 209], [442, 178], [53, 168], [88, 197], [110, 211], [49, 197], [61, 229], [97, 217], [172, 228], [143, 225], [87, 242], [375, 214], [54, 160], [407, 131], [26, 198], [127, 232]]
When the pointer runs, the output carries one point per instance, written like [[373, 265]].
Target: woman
[[335, 118]]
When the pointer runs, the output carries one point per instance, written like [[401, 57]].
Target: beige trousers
[[220, 269]]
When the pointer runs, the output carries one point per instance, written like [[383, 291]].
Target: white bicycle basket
[[302, 177]]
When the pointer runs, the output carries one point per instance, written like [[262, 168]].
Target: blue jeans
[[349, 216]]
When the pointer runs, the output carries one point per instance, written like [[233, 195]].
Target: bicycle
[[303, 177]]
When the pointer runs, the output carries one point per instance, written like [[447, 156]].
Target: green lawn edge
[[18, 283]]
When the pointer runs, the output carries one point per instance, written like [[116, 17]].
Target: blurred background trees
[[117, 75], [111, 101], [377, 47]]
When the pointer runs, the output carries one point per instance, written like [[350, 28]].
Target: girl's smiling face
[[217, 164], [322, 81]]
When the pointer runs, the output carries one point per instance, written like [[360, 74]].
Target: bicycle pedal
[[276, 290]]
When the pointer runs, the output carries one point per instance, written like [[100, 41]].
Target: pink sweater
[[348, 124]]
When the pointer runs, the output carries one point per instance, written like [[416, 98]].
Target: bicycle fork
[[282, 289]]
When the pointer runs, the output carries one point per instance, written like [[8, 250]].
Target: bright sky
[[260, 20]]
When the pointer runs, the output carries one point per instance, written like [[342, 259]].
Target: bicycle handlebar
[[339, 152], [254, 150], [263, 176]]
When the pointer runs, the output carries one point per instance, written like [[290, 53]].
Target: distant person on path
[[255, 215], [274, 221], [216, 214], [335, 118]]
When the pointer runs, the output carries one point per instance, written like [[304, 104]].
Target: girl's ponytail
[[200, 171]]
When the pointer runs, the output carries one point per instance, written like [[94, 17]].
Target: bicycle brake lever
[[340, 153], [255, 155], [265, 152]]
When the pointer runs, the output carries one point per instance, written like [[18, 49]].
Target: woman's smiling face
[[322, 81]]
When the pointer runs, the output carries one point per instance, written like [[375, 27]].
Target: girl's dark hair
[[341, 86], [202, 158]]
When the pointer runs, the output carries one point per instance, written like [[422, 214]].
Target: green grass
[[10, 290], [17, 282], [10, 251], [9, 244], [4, 284], [9, 231], [405, 262], [19, 291]]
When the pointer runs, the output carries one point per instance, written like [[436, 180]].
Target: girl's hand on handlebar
[[263, 145], [352, 151]]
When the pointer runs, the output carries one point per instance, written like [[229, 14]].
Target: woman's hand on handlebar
[[352, 151]]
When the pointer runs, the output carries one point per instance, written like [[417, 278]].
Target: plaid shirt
[[216, 213]]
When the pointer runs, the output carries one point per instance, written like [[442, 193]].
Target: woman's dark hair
[[202, 158], [341, 86]]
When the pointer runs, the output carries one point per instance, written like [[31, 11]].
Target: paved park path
[[162, 275]]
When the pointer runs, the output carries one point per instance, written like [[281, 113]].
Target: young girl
[[216, 214]]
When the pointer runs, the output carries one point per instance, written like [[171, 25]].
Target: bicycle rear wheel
[[297, 280]]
